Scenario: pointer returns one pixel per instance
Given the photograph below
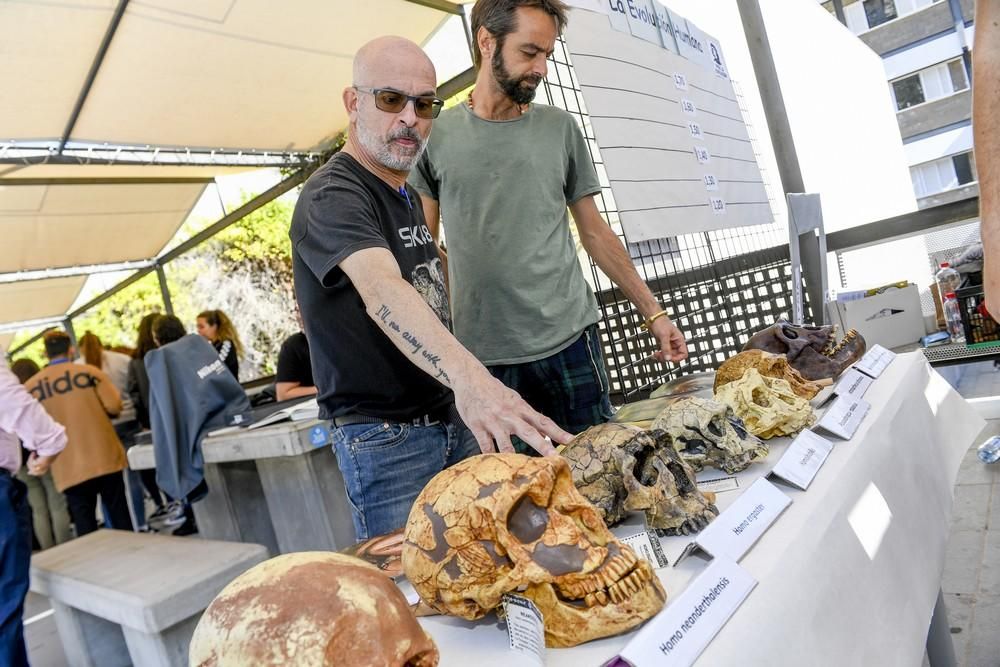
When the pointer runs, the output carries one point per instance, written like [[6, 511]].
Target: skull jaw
[[567, 625]]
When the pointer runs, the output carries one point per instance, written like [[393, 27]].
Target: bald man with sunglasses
[[405, 399]]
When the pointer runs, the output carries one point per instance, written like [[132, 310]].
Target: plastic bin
[[980, 329]]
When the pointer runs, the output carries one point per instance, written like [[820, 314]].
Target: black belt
[[430, 419]]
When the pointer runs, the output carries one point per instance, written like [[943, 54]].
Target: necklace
[[519, 107]]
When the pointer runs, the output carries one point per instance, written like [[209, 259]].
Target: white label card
[[876, 360], [525, 627], [853, 383], [803, 459], [718, 205], [680, 81], [844, 417], [711, 182], [679, 633], [719, 484], [741, 524], [648, 546], [696, 131], [688, 107], [700, 152]]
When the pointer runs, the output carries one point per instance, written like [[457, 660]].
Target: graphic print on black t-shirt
[[344, 208]]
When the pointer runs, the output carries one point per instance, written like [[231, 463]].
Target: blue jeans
[[15, 559], [386, 465]]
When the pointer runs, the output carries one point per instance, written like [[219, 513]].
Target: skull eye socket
[[714, 429], [789, 333], [741, 431], [527, 521]]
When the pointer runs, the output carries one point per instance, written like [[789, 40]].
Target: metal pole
[[959, 24], [168, 306], [838, 9], [68, 326], [771, 97]]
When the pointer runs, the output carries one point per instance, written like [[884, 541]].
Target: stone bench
[[124, 598]]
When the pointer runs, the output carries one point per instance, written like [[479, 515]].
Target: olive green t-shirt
[[517, 289]]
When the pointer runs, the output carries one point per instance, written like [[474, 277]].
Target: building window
[[879, 11], [947, 173], [864, 15], [930, 84]]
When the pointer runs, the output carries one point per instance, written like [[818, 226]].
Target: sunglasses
[[393, 101]]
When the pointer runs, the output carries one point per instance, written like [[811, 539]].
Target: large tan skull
[[311, 609], [707, 433], [502, 523], [768, 406], [623, 469], [768, 365]]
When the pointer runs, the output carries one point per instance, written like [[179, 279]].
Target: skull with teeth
[[708, 433], [505, 523], [768, 365], [622, 469], [768, 406], [812, 351]]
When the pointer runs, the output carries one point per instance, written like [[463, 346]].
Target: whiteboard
[[667, 121]]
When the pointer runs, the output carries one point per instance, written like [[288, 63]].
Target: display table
[[277, 485], [821, 599]]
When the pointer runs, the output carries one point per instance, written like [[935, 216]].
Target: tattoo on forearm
[[384, 314]]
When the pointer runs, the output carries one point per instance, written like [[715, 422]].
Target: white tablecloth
[[821, 599]]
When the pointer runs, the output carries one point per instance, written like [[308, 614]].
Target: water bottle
[[953, 318], [989, 451], [947, 279]]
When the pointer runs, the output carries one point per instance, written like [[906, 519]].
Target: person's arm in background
[[107, 393], [288, 390], [25, 417], [432, 215], [986, 130], [490, 410], [603, 245]]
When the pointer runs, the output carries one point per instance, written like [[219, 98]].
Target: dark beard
[[510, 86]]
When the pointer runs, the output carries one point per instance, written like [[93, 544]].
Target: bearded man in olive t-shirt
[[500, 173]]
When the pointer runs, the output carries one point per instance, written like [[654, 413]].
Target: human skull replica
[[311, 609], [812, 351], [768, 365], [623, 469], [507, 523], [768, 406], [708, 433]]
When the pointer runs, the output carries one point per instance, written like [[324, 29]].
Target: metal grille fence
[[719, 287]]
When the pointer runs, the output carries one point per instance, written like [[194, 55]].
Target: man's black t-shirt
[[345, 208], [293, 361]]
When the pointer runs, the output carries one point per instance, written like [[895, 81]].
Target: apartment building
[[924, 46]]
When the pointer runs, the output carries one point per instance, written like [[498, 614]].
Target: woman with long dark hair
[[138, 390], [215, 326]]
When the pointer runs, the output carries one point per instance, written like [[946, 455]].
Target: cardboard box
[[890, 319]]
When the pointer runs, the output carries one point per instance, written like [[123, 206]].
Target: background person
[[83, 398], [137, 387], [501, 173], [49, 514], [126, 424], [21, 418], [294, 378], [218, 329], [986, 136]]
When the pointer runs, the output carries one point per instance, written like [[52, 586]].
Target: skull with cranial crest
[[812, 350], [708, 433], [503, 523]]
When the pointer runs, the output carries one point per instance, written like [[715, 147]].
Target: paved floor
[[971, 580]]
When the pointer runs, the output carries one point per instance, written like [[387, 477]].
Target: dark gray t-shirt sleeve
[[581, 177], [340, 219]]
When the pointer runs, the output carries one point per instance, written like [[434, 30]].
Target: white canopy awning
[[11, 174], [38, 299], [215, 74], [56, 226]]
